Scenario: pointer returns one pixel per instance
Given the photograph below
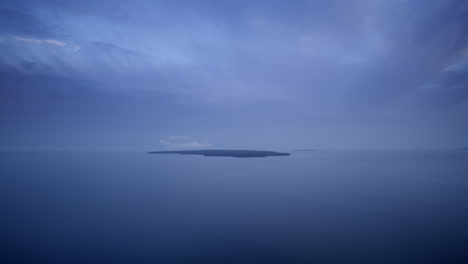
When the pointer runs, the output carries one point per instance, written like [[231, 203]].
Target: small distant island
[[463, 149], [305, 150], [225, 153]]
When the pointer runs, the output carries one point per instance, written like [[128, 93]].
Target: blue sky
[[144, 75]]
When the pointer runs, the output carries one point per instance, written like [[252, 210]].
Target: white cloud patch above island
[[183, 142]]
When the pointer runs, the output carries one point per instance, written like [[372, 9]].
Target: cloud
[[262, 51], [253, 71], [28, 40], [54, 42], [51, 42], [17, 22], [110, 48], [183, 142], [28, 65], [74, 48], [453, 84]]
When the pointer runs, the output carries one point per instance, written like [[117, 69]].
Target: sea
[[330, 206]]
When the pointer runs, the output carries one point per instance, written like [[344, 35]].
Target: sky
[[276, 75]]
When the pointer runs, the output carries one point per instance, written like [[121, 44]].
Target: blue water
[[311, 207]]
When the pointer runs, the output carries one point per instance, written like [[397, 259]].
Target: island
[[305, 150], [225, 153], [463, 149]]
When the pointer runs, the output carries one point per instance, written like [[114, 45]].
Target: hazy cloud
[[15, 21], [51, 42], [28, 40], [248, 72], [28, 65], [109, 48], [54, 42], [183, 142]]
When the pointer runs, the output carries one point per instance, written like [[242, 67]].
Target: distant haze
[[274, 75]]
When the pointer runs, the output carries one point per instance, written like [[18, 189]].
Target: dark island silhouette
[[463, 149], [225, 153]]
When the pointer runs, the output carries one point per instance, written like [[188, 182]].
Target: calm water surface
[[311, 207]]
